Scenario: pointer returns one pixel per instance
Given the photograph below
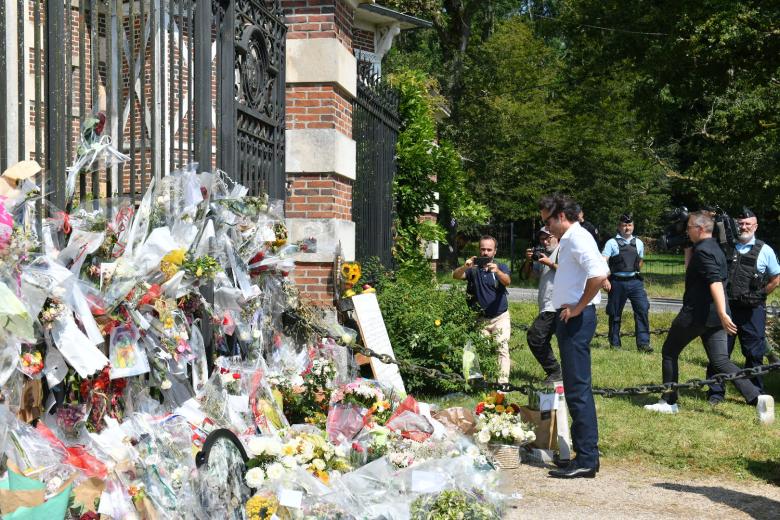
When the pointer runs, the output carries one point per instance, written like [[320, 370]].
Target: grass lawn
[[726, 441]]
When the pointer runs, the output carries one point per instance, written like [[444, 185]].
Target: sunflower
[[350, 271]]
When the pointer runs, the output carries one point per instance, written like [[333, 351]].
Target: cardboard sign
[[374, 333]]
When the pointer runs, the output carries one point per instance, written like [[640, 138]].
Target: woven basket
[[505, 456]]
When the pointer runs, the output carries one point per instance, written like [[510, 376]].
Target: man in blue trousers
[[624, 254], [581, 271], [753, 274]]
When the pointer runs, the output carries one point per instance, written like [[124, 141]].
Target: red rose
[[236, 376], [480, 408]]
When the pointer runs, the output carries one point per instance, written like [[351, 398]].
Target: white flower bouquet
[[503, 429]]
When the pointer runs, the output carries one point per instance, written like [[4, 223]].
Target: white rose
[[505, 433], [256, 446], [275, 471], [273, 447], [484, 436], [255, 477], [166, 384], [319, 464]]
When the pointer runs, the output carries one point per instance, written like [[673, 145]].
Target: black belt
[[636, 276]]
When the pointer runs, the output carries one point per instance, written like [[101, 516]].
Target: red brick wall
[[318, 106], [308, 19], [363, 40], [315, 282], [319, 196]]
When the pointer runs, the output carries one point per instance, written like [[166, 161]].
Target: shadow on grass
[[768, 470], [756, 506]]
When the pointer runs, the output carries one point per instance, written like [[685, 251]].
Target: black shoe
[[714, 400], [573, 471], [555, 377], [647, 349]]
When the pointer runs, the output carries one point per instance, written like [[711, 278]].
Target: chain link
[[529, 388], [525, 327]]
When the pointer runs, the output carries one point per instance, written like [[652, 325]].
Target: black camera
[[482, 261], [537, 252], [726, 230], [676, 231]]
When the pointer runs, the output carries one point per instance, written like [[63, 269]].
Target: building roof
[[380, 15]]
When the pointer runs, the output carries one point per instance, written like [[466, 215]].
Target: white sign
[[374, 333]]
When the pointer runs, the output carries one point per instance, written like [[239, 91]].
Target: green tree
[[703, 76], [527, 131], [425, 166]]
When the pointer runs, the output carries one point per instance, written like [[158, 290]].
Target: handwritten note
[[374, 333]]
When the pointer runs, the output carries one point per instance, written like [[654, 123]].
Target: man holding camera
[[704, 314], [624, 254], [486, 286], [753, 274], [541, 263], [581, 271]]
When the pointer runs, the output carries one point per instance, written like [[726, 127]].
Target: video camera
[[675, 235]]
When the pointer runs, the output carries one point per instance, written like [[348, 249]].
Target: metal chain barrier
[[529, 388], [524, 327]]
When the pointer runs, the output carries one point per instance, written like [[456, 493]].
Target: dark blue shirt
[[487, 293]]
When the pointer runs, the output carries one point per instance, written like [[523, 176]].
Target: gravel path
[[635, 493]]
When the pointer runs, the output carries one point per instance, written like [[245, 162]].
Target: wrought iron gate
[[179, 81], [375, 130]]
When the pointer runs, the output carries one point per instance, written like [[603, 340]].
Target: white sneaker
[[663, 407], [765, 406]]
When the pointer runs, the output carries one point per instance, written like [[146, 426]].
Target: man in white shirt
[[581, 272]]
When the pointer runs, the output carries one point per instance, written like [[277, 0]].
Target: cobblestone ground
[[636, 493]]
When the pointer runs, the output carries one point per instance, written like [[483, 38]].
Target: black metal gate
[[179, 81], [375, 130]]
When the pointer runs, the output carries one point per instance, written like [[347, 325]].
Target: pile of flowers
[[161, 323], [498, 422]]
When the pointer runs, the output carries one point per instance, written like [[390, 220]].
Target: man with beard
[[704, 314], [542, 329], [486, 285], [753, 274]]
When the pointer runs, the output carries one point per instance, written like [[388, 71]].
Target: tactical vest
[[746, 284], [627, 259]]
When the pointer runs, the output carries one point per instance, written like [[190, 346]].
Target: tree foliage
[[425, 166]]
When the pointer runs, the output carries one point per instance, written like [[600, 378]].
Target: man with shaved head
[[753, 274]]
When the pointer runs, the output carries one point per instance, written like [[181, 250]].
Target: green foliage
[[452, 505], [523, 141], [425, 166], [704, 85], [429, 327]]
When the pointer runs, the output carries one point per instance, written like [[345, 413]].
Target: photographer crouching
[[486, 283], [704, 314]]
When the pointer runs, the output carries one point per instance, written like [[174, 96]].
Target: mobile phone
[[482, 261]]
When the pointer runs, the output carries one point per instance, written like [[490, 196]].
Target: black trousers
[[539, 335], [682, 332]]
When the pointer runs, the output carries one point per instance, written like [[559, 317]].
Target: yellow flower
[[437, 323], [175, 257], [500, 408], [351, 272]]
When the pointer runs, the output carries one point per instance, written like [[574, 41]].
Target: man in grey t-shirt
[[542, 329]]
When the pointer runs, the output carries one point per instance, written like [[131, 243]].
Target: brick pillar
[[321, 85]]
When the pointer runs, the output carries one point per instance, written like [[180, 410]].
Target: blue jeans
[[621, 291], [574, 342], [751, 329]]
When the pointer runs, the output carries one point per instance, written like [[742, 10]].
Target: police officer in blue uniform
[[754, 273], [624, 254]]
